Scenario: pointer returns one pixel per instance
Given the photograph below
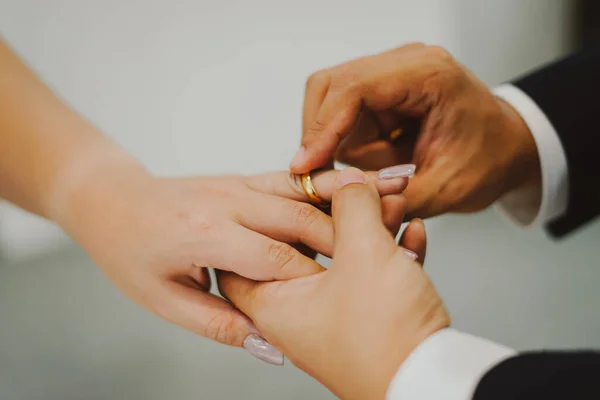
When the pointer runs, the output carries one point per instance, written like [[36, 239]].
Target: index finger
[[289, 185], [317, 86], [240, 291], [392, 80], [332, 123]]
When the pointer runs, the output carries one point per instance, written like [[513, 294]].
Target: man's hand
[[417, 104], [350, 327]]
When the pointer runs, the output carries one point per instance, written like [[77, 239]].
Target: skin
[[154, 237], [353, 344], [470, 148]]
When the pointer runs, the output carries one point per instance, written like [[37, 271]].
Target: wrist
[[523, 165], [371, 376], [447, 365], [84, 185]]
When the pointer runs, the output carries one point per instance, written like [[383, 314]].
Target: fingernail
[[298, 158], [411, 254], [397, 171], [351, 175], [263, 350]]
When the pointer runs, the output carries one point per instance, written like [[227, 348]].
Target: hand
[[350, 327], [155, 238], [469, 147]]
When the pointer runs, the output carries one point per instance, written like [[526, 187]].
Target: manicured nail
[[411, 254], [397, 171], [351, 175], [298, 158], [263, 350]]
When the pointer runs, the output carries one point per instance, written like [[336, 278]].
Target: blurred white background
[[199, 87]]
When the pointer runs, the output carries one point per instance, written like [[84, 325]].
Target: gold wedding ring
[[395, 134], [311, 192]]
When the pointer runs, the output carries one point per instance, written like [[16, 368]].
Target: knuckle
[[454, 192], [411, 46], [316, 127], [201, 223], [439, 53], [294, 182], [281, 254], [304, 214], [221, 328], [197, 222], [446, 77], [346, 77], [318, 78]]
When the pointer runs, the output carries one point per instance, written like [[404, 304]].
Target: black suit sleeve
[[568, 92], [547, 375]]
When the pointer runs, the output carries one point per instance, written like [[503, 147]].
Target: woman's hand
[[417, 104], [351, 326], [155, 238]]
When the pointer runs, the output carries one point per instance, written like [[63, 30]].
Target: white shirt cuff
[[522, 205], [447, 365]]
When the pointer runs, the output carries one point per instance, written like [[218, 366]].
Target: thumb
[[356, 212], [333, 123], [425, 195], [248, 297]]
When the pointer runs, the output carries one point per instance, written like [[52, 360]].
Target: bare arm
[[45, 148], [154, 237]]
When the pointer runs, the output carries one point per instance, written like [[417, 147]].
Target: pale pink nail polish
[[397, 171], [263, 350], [298, 158], [411, 254], [351, 175]]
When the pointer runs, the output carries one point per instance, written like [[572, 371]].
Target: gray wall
[[177, 82]]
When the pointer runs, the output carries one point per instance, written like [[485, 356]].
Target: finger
[[391, 80], [288, 221], [317, 86], [414, 238], [256, 256], [398, 127], [204, 314], [289, 185], [423, 196], [393, 208], [196, 277], [295, 222], [357, 217], [366, 130], [383, 151], [388, 121], [242, 292], [375, 155], [247, 295], [372, 127], [333, 122]]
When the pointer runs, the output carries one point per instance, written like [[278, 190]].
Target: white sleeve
[[523, 205], [447, 365]]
